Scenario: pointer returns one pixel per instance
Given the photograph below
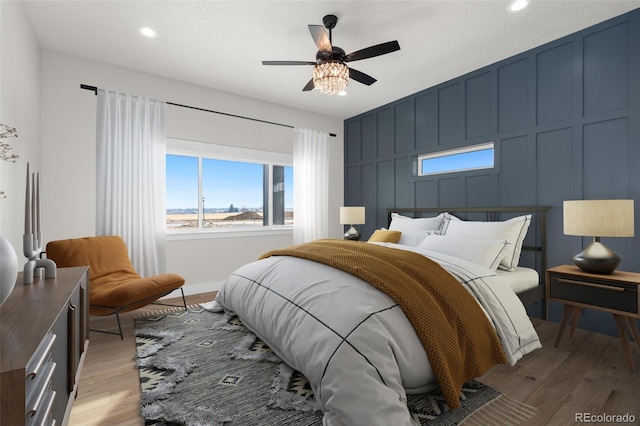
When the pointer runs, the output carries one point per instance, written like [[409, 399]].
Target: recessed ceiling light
[[148, 32], [517, 5], [342, 93]]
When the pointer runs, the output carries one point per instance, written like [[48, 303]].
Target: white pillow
[[445, 222], [414, 230], [408, 224], [487, 253], [513, 230], [414, 239]]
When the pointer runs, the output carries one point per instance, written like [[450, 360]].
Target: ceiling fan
[[330, 74]]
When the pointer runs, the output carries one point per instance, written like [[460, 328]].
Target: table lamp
[[352, 216], [598, 218]]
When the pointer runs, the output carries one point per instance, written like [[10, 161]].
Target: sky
[[468, 160], [240, 183], [223, 182]]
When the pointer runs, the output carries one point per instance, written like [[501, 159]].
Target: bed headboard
[[539, 246]]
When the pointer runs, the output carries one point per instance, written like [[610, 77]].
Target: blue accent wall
[[565, 119]]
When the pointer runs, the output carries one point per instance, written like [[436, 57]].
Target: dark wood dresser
[[44, 338]]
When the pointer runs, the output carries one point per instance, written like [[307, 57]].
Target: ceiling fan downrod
[[330, 22]]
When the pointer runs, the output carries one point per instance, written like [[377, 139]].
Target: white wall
[[68, 154], [19, 108]]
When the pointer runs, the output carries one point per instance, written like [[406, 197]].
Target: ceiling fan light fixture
[[331, 78]]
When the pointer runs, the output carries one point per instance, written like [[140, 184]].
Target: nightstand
[[616, 293]]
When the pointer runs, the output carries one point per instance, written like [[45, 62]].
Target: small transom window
[[457, 160]]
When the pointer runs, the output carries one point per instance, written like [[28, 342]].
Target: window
[[221, 188], [457, 160]]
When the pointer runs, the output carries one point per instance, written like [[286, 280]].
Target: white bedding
[[520, 279], [354, 344]]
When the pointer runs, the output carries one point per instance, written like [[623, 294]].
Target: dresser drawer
[[618, 296]]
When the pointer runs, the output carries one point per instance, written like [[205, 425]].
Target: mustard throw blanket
[[456, 334]]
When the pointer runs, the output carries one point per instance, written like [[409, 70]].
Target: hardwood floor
[[585, 374], [109, 389]]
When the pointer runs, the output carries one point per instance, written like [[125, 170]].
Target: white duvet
[[354, 344]]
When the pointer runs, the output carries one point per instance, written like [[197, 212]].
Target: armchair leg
[[184, 301], [119, 333], [116, 311], [119, 325]]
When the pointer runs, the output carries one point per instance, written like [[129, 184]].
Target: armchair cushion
[[113, 282]]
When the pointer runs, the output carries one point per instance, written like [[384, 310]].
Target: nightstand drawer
[[617, 296]]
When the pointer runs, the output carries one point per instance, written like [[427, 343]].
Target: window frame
[[455, 151], [202, 150]]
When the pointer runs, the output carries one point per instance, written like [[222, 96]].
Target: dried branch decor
[[5, 133]]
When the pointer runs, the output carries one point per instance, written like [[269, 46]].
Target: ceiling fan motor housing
[[337, 55]]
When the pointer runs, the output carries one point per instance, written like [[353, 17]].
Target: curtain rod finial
[[94, 89]]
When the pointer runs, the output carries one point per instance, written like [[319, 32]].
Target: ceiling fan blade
[[309, 86], [288, 63], [320, 37], [370, 52], [361, 77]]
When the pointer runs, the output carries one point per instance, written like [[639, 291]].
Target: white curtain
[[310, 185], [130, 160]]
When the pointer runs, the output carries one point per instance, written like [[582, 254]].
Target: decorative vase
[[8, 269]]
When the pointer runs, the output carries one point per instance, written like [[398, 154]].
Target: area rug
[[202, 368]]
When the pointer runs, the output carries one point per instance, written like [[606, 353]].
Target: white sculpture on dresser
[[8, 269], [32, 238]]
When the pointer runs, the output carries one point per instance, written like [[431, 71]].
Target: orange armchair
[[114, 285]]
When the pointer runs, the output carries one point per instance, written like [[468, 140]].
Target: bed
[[361, 349]]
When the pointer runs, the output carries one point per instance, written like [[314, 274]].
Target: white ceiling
[[221, 44]]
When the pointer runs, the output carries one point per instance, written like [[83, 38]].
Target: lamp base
[[352, 234], [597, 258]]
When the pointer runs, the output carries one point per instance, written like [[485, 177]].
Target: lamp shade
[[598, 218], [351, 215]]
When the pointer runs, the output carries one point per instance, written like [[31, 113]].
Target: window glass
[[182, 192], [232, 193], [288, 195], [217, 194], [457, 160]]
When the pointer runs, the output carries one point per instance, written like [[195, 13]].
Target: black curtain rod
[[94, 89]]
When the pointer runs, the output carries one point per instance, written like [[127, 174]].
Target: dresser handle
[[34, 401], [41, 356], [46, 410], [71, 348], [604, 287]]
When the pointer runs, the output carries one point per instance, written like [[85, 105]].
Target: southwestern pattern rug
[[202, 368]]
